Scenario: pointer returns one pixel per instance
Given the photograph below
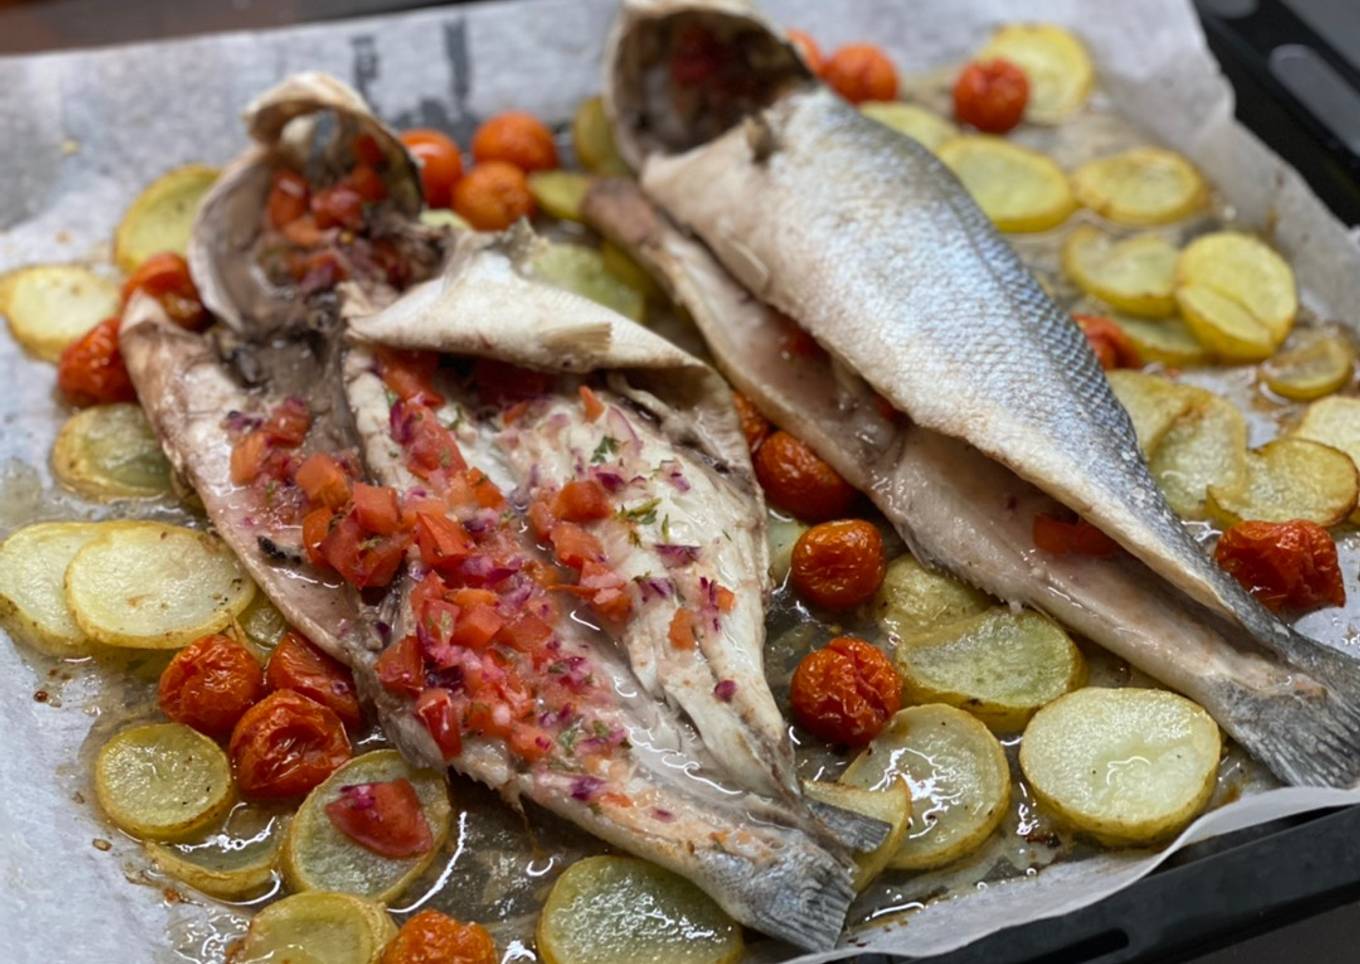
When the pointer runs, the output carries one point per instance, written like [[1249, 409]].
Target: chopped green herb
[[568, 737], [666, 528], [607, 447], [644, 514]]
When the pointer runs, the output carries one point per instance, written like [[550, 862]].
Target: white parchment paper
[[80, 133]]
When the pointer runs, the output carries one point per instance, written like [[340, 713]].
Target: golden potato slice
[[1020, 190], [317, 856], [161, 216], [1207, 446], [1289, 478], [581, 269], [924, 126], [110, 452], [234, 863], [317, 928], [1237, 295], [621, 265], [1136, 275], [1153, 402], [1141, 186], [559, 193], [163, 781], [1054, 61], [1000, 666], [51, 305], [1334, 421], [592, 138], [1126, 766], [592, 916], [33, 606], [781, 535], [153, 586], [443, 218], [1320, 364], [891, 805], [1223, 326], [913, 599], [1167, 340], [960, 781]]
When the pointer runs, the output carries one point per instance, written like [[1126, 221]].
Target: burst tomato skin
[[839, 564], [991, 95], [1113, 347], [285, 745], [1060, 537], [807, 49], [860, 72], [493, 196], [516, 138], [210, 684], [297, 665], [166, 278], [845, 692], [441, 165], [797, 480], [1286, 565], [755, 426], [385, 818], [91, 370], [432, 938]]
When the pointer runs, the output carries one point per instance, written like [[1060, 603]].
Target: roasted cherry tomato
[[166, 278], [289, 198], [1113, 347], [493, 196], [1286, 565], [991, 95], [838, 564], [860, 72], [209, 685], [845, 692], [298, 665], [385, 818], [798, 481], [285, 745], [91, 370], [753, 425], [441, 165], [432, 938], [516, 138], [807, 49], [1076, 537]]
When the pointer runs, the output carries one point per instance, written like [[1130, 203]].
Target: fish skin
[[970, 514]]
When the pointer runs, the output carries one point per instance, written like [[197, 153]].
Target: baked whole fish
[[862, 238]]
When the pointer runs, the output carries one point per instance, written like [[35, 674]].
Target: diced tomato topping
[[441, 540], [316, 525], [288, 423], [726, 599], [484, 491], [541, 519], [303, 233], [467, 596], [1060, 537], [525, 633], [323, 481], [289, 198], [593, 406], [385, 818], [363, 560], [338, 206], [581, 500], [1111, 344], [166, 278], [377, 509], [428, 590], [573, 546], [1286, 565], [410, 375], [401, 667], [248, 457], [681, 632], [515, 412], [529, 743], [430, 447], [368, 151], [367, 183], [502, 383], [317, 270], [434, 708], [477, 626]]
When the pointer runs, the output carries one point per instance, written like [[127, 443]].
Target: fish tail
[[802, 898], [854, 831]]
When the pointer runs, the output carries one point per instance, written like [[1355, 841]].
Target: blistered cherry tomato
[[285, 745], [296, 664], [797, 480], [1112, 345], [385, 818], [1286, 565], [1075, 537], [91, 370], [860, 72], [991, 95], [166, 278], [807, 49], [516, 138], [493, 196], [845, 692], [209, 685], [838, 564], [432, 938], [753, 425], [441, 165]]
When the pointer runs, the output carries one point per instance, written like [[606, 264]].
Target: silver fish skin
[[969, 514]]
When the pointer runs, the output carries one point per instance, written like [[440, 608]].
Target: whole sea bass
[[861, 237]]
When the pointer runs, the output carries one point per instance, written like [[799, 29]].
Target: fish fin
[[851, 830], [801, 899]]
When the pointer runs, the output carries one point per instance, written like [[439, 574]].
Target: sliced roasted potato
[[1136, 275], [443, 218], [317, 928], [234, 863], [592, 138], [1000, 666], [924, 126], [559, 193], [913, 599], [1126, 766], [1054, 61], [1140, 186], [33, 606], [1153, 402], [1334, 421], [1289, 478], [1019, 189], [51, 305], [1206, 446], [163, 781], [621, 265], [146, 585], [617, 910], [892, 805], [960, 781], [1237, 295], [317, 856], [161, 216], [581, 269], [1318, 365], [1166, 340], [110, 452], [781, 535]]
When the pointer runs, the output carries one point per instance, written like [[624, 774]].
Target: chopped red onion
[[725, 690]]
